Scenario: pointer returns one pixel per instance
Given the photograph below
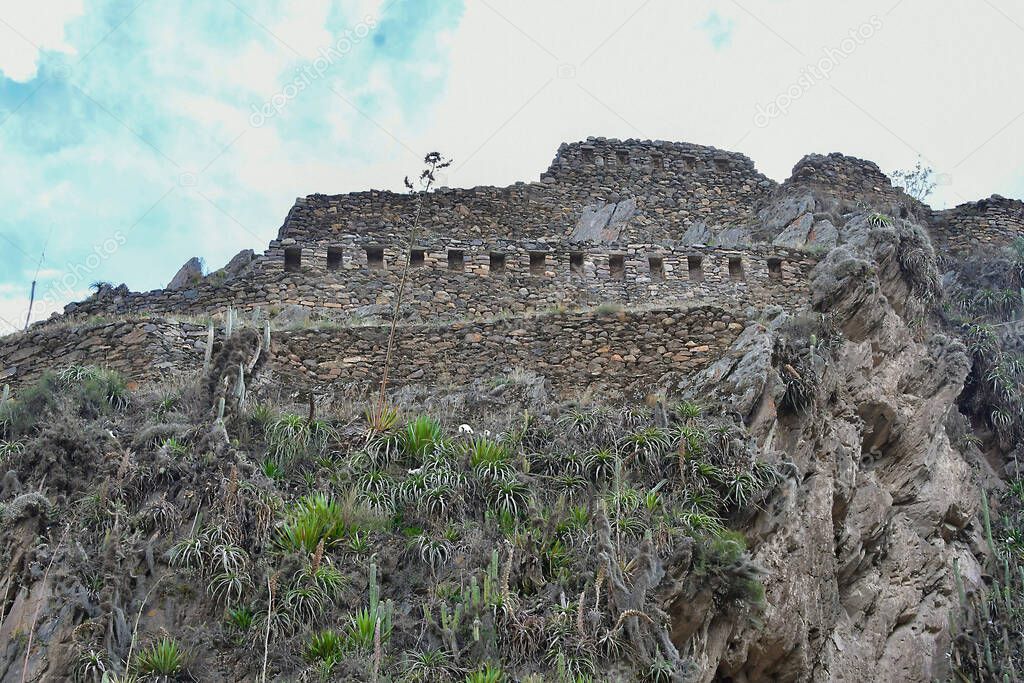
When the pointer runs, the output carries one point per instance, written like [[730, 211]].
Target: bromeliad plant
[[420, 437], [291, 436], [163, 658], [319, 517]]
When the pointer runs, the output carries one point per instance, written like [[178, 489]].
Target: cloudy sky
[[135, 134]]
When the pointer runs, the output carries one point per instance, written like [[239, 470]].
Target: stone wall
[[657, 187], [470, 279], [573, 351], [144, 350], [853, 184], [993, 222]]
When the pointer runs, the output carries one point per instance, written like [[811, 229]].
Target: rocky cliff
[[805, 507]]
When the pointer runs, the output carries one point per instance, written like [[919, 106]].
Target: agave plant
[[362, 627], [740, 489], [291, 436], [487, 674], [305, 602], [648, 444], [601, 464], [229, 586], [241, 618], [578, 421], [10, 449]]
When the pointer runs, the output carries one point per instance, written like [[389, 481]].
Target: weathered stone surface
[[188, 275]]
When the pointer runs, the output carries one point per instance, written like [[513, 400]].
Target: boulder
[[188, 275], [238, 263]]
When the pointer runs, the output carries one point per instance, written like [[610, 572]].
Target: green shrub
[[420, 437], [293, 436], [99, 390], [21, 413], [489, 459], [487, 674], [326, 647], [162, 658], [316, 518], [241, 618], [362, 627], [272, 469]]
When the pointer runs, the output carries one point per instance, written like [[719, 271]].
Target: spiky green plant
[[420, 437], [10, 449], [430, 665], [380, 419], [241, 618], [325, 647], [508, 496], [362, 628], [489, 459], [229, 586], [162, 658], [488, 673], [292, 436], [318, 517], [601, 464]]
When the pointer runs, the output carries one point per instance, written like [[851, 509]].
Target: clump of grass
[[486, 674], [318, 517], [99, 389]]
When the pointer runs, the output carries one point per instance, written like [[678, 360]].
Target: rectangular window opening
[[497, 262], [538, 262], [334, 258], [456, 259], [622, 157], [416, 258], [292, 259], [375, 258], [736, 268], [576, 263], [657, 161], [695, 267], [721, 164], [688, 163], [617, 266], [588, 155], [657, 266], [775, 268]]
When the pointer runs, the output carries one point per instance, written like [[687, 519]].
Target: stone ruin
[[660, 231]]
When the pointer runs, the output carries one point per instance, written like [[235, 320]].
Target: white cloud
[[520, 77], [14, 308], [28, 28], [938, 84]]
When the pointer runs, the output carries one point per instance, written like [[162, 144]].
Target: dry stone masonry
[[515, 276]]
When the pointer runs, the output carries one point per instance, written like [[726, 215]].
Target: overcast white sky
[[136, 134]]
